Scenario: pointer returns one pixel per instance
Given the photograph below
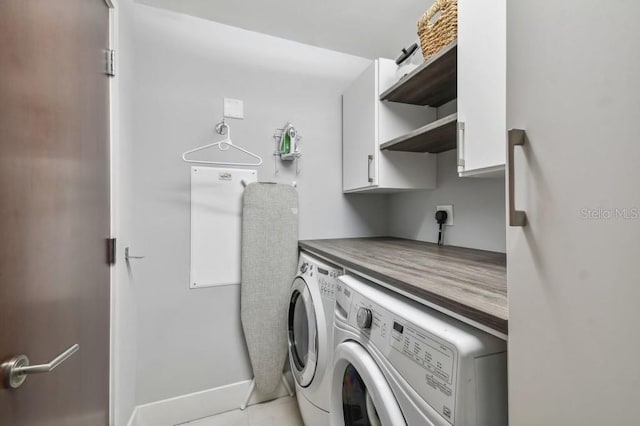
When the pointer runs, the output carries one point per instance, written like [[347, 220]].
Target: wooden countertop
[[468, 282]]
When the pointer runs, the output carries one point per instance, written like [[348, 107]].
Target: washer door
[[303, 333], [360, 392]]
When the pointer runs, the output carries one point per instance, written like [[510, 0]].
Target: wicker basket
[[438, 26]]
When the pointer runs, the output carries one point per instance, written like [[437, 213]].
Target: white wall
[[190, 340], [478, 210]]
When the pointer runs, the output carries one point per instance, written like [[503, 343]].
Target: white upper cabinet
[[367, 123], [359, 133], [481, 87]]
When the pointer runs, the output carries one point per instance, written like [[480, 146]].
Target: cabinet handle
[[460, 147], [516, 217], [369, 161]]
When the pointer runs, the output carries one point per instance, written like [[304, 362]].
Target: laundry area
[[274, 119], [336, 213]]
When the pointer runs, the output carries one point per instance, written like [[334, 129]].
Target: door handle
[[516, 217], [369, 161], [127, 256], [15, 370], [460, 146]]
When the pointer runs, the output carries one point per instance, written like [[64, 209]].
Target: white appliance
[[400, 363], [310, 327]]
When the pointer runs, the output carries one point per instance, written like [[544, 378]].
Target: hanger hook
[[222, 128]]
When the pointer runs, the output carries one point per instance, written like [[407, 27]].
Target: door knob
[[14, 371]]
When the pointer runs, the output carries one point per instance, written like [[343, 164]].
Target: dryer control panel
[[436, 358]]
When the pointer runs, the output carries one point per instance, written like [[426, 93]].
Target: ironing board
[[269, 260]]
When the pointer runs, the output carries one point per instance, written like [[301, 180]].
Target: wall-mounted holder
[[287, 144]]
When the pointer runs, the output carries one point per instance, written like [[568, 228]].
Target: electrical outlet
[[449, 210]]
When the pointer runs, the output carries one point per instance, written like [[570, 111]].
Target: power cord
[[441, 218]]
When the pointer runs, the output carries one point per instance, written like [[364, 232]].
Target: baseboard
[[185, 408], [133, 420]]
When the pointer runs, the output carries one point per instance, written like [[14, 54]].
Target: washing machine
[[310, 329], [397, 363]]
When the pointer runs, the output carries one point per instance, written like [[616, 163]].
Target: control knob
[[364, 318], [304, 267]]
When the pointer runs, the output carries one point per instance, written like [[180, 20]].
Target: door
[[481, 86], [303, 333], [573, 271], [360, 394], [54, 208], [359, 131]]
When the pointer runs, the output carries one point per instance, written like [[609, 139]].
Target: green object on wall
[[285, 145]]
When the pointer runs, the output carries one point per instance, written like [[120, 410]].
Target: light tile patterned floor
[[280, 412]]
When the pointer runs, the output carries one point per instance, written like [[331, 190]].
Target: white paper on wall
[[216, 224]]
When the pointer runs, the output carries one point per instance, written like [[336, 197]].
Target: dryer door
[[303, 333], [360, 392]]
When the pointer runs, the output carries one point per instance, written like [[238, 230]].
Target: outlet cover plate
[[449, 209], [233, 108]]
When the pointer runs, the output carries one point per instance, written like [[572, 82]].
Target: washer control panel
[[427, 362], [328, 281], [325, 275]]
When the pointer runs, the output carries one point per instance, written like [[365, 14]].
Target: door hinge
[[111, 63], [111, 251]]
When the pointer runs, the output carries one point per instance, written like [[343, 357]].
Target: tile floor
[[280, 412]]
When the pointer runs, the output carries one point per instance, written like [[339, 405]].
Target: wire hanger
[[222, 128]]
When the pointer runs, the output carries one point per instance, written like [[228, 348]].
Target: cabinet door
[[573, 270], [481, 86], [359, 132]]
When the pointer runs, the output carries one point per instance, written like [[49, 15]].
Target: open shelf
[[433, 83], [435, 137]]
